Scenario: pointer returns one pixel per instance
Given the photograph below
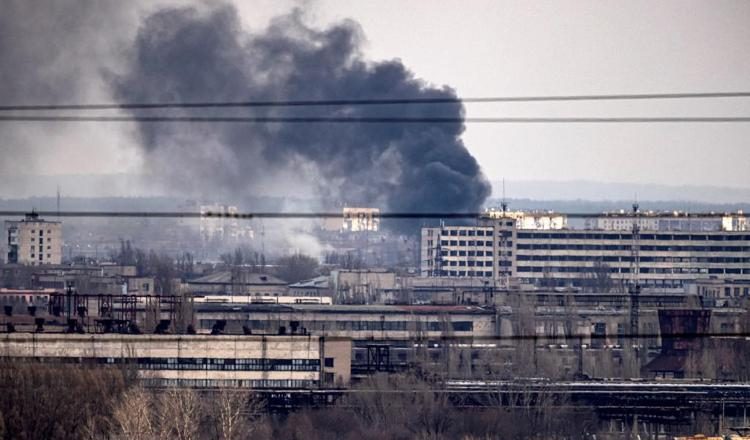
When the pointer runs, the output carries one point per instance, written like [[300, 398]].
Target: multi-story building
[[601, 259], [484, 250], [34, 241]]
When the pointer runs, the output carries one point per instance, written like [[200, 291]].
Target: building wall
[[485, 251], [197, 360], [33, 241], [667, 260], [380, 322], [361, 283]]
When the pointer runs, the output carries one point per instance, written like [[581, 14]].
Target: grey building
[[600, 259]]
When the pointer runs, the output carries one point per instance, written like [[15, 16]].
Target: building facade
[[600, 259], [33, 241], [286, 362]]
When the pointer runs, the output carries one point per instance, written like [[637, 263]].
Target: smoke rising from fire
[[187, 54]]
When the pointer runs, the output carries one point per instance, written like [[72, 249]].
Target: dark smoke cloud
[[187, 54]]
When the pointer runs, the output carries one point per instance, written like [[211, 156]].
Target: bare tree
[[132, 416], [232, 413], [179, 414]]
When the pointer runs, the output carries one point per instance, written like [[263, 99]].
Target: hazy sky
[[512, 48]]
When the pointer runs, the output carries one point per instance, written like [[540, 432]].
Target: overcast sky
[[495, 48], [511, 48]]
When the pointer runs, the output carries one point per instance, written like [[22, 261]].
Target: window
[[329, 362]]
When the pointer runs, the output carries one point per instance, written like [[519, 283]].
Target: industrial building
[[291, 362], [33, 241], [357, 322], [598, 259]]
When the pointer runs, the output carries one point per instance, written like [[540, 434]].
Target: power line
[[315, 215], [385, 101], [374, 120]]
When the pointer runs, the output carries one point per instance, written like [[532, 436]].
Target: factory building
[[33, 241], [599, 259], [355, 321], [291, 362]]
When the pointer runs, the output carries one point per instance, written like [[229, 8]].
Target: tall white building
[[34, 241], [665, 260]]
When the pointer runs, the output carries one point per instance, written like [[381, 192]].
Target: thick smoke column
[[187, 55]]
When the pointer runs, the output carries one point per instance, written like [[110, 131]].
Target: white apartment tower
[[34, 241]]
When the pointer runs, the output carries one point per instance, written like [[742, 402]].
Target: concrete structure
[[484, 251], [34, 241], [531, 219], [20, 299], [238, 281], [679, 221], [738, 222], [199, 360], [719, 292], [594, 259], [314, 287], [361, 286], [354, 321]]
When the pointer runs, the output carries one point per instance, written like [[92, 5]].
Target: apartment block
[[611, 258], [33, 241]]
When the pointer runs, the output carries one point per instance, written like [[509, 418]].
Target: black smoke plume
[[186, 54]]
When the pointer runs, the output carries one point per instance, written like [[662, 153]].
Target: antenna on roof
[[58, 202]]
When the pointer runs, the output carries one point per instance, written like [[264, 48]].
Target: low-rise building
[[237, 281], [279, 362]]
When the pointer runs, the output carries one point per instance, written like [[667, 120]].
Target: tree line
[[54, 401]]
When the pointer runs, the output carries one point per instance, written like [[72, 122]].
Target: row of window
[[380, 325], [447, 253], [668, 237], [629, 247], [465, 273], [643, 270], [226, 364], [627, 259], [214, 364], [471, 243], [230, 383]]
